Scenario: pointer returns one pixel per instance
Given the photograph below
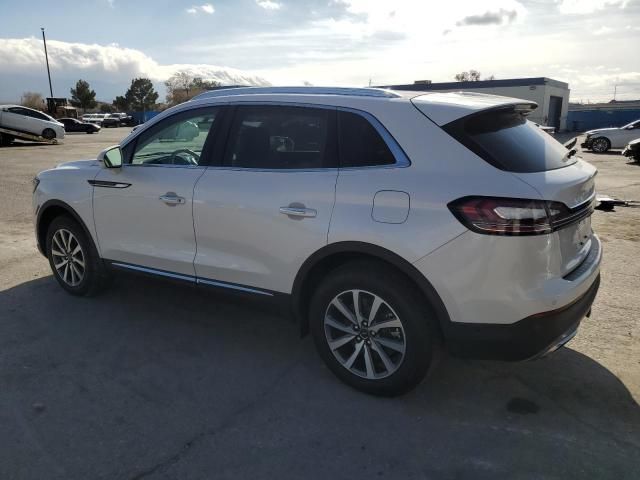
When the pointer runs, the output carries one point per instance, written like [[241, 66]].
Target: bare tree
[[471, 76], [32, 100]]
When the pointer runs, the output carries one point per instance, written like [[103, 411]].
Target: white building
[[552, 96]]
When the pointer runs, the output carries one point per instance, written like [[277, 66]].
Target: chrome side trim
[[214, 283], [190, 278], [154, 271]]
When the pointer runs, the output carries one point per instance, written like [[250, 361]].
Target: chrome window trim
[[402, 160], [148, 165]]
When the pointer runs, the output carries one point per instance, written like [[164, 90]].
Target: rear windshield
[[508, 141]]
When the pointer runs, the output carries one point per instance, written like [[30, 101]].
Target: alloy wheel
[[600, 145], [68, 257], [364, 334]]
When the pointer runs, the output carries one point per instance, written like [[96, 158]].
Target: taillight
[[509, 216]]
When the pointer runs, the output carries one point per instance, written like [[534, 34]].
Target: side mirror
[[111, 157]]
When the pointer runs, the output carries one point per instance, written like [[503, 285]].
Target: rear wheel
[[48, 134], [372, 328], [600, 145], [73, 258], [5, 140]]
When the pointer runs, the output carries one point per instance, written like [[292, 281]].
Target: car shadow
[[169, 378]]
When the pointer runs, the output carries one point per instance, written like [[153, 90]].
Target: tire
[[5, 140], [77, 280], [600, 145], [48, 134], [409, 341]]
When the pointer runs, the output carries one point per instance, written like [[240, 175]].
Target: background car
[[95, 118], [27, 120], [75, 125], [632, 150], [603, 139], [111, 120]]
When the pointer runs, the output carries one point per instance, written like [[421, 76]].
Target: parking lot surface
[[156, 380]]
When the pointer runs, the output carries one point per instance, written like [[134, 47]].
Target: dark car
[[117, 120], [75, 125], [632, 150]]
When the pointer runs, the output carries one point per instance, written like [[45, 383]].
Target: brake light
[[509, 216]]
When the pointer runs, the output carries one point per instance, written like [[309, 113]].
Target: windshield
[[508, 141], [635, 124]]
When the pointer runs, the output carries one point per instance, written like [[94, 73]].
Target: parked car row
[[109, 119]]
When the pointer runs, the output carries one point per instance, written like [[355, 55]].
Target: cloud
[[603, 30], [111, 65], [206, 8], [585, 7], [269, 4], [489, 18]]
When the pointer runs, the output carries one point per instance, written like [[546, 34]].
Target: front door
[[267, 208], [143, 211]]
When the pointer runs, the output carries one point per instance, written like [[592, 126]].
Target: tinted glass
[[177, 140], [279, 137], [508, 141], [360, 143]]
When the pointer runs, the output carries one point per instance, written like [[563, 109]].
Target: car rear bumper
[[531, 337]]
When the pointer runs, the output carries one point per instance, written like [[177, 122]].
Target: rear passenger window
[[281, 137], [360, 143]]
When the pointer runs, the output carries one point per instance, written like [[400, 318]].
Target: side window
[[360, 143], [281, 137], [17, 110], [177, 140]]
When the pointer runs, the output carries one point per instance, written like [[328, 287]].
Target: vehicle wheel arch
[[49, 211], [333, 255]]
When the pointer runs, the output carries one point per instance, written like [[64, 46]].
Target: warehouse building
[[552, 96]]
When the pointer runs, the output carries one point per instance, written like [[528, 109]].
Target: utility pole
[[46, 56]]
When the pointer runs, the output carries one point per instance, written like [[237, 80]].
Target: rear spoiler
[[443, 108]]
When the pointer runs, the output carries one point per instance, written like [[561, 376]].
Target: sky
[[591, 44]]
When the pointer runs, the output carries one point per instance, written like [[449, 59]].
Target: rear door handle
[[298, 212], [170, 198]]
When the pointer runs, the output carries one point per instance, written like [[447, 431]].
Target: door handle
[[298, 212], [171, 199]]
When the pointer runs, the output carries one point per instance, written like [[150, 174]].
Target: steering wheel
[[193, 160]]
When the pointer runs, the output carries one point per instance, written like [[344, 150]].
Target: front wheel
[[48, 134], [73, 259], [600, 145], [372, 328]]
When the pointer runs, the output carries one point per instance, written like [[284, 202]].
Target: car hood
[[601, 130], [79, 165], [635, 143]]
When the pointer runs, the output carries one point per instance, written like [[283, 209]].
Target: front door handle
[[171, 199], [298, 211]]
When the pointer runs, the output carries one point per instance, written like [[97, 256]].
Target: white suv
[[387, 224]]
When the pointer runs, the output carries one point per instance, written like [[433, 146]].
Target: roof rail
[[358, 92]]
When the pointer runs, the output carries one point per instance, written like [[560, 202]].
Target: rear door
[[14, 117], [261, 213]]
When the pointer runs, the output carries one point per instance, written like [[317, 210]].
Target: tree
[[471, 76], [82, 96], [141, 95], [105, 108], [121, 104], [182, 86], [32, 100]]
